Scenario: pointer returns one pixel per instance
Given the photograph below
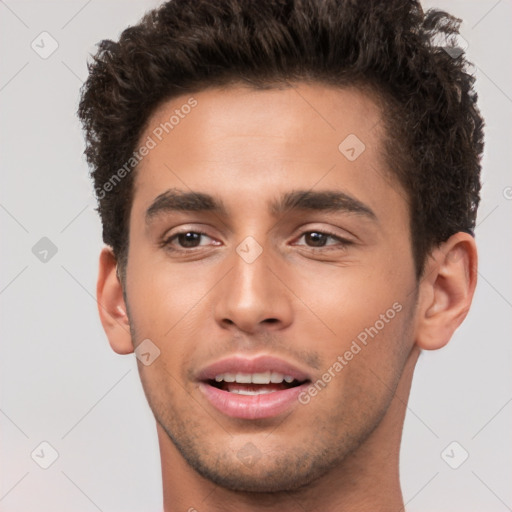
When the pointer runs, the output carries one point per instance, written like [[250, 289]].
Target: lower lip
[[252, 407]]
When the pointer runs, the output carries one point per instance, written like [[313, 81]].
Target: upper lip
[[258, 364]]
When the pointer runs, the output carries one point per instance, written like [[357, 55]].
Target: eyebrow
[[305, 200], [328, 200], [178, 200]]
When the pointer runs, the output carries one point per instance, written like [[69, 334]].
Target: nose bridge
[[251, 279], [252, 296]]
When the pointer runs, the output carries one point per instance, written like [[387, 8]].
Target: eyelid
[[186, 228], [170, 235], [340, 243], [344, 236]]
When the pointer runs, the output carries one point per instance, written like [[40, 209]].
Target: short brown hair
[[434, 130]]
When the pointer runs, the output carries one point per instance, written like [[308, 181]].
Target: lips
[[257, 365], [252, 388]]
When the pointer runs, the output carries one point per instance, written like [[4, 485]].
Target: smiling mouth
[[250, 388], [255, 383]]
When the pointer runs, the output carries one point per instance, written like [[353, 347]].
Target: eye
[[321, 239], [188, 240]]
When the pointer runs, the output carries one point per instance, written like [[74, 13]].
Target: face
[[270, 262]]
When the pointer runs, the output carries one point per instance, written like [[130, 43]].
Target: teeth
[[276, 378], [262, 391], [254, 378], [243, 378], [261, 378]]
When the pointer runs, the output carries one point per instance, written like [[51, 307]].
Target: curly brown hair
[[434, 131]]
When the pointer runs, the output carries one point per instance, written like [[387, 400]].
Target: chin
[[272, 480], [289, 470]]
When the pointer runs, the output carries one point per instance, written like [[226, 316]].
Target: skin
[[302, 303]]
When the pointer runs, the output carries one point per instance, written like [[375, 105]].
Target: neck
[[367, 479]]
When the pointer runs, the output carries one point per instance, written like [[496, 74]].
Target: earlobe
[[111, 305], [446, 291]]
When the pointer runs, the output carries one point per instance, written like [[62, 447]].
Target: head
[[346, 145]]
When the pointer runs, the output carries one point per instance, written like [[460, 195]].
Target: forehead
[[317, 115], [239, 141]]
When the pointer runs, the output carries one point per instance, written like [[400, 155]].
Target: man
[[288, 191]]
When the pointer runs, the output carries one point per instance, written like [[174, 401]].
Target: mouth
[[257, 388], [255, 383]]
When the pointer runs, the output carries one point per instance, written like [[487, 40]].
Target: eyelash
[[343, 243], [166, 243]]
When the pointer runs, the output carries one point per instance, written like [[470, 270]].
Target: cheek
[[349, 300], [161, 294], [369, 315], [170, 305], [365, 358]]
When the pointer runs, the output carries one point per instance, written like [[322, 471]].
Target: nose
[[252, 298]]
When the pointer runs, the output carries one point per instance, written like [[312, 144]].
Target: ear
[[446, 290], [111, 305]]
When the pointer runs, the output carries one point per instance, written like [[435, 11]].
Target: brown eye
[[189, 239], [321, 239], [316, 239]]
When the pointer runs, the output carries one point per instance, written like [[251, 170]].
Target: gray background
[[60, 381]]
